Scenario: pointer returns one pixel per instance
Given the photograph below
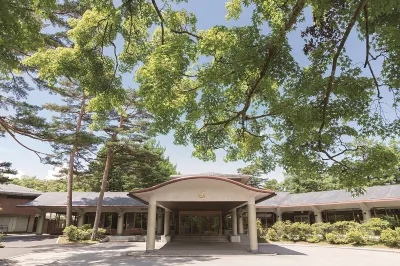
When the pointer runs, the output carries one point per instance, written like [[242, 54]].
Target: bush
[[85, 227], [375, 226], [83, 233], [357, 236], [320, 229], [314, 238], [343, 227], [336, 238], [391, 237], [282, 229], [298, 231], [72, 233], [272, 235]]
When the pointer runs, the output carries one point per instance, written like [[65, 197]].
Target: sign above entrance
[[202, 195]]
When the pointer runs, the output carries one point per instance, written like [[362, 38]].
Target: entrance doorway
[[200, 223]]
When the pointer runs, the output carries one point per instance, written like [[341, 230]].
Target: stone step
[[180, 238]]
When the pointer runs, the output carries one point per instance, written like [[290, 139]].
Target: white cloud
[[52, 174]]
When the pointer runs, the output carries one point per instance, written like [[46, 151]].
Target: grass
[[63, 240]]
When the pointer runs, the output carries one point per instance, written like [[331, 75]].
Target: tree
[[141, 166], [124, 126], [249, 96], [21, 33], [56, 185], [257, 177], [5, 171], [82, 74], [73, 142]]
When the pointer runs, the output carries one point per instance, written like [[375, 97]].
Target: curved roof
[[186, 189], [203, 177]]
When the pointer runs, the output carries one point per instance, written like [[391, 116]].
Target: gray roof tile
[[11, 189], [120, 199], [333, 196]]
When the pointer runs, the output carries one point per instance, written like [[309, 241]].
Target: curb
[[331, 246]]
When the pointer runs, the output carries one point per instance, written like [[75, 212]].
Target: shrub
[[375, 225], [320, 229], [336, 238], [298, 231], [282, 228], [390, 237], [85, 227], [100, 233], [272, 235], [72, 233], [343, 227], [314, 238], [357, 236]]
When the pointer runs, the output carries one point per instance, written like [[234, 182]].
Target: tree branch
[[366, 35], [333, 70], [163, 23]]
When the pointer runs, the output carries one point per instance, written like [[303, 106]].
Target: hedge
[[374, 231], [75, 234]]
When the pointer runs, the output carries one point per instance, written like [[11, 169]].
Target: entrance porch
[[202, 205]]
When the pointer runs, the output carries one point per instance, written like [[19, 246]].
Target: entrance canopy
[[219, 192]]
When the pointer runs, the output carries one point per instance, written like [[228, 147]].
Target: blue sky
[[209, 13]]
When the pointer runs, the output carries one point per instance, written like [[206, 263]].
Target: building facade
[[210, 205], [12, 218]]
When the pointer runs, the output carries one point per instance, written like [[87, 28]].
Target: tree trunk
[[101, 194], [68, 218], [104, 181]]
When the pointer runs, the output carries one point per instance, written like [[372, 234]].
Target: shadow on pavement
[[27, 238], [279, 250]]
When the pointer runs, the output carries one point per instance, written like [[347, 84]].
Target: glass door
[[200, 224]]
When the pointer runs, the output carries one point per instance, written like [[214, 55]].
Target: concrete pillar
[[40, 223], [167, 218], [278, 215], [234, 222], [120, 224], [81, 219], [252, 220], [366, 215], [151, 225], [318, 216], [160, 225], [240, 223], [31, 222]]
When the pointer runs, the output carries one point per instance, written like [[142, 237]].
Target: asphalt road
[[16, 245], [108, 254]]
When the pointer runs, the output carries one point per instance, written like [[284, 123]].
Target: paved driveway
[[22, 244], [117, 254]]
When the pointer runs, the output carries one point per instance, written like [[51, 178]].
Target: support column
[[159, 223], [318, 216], [234, 222], [81, 219], [278, 215], [31, 222], [366, 215], [40, 223], [240, 223], [151, 225], [120, 224], [251, 215], [167, 218]]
